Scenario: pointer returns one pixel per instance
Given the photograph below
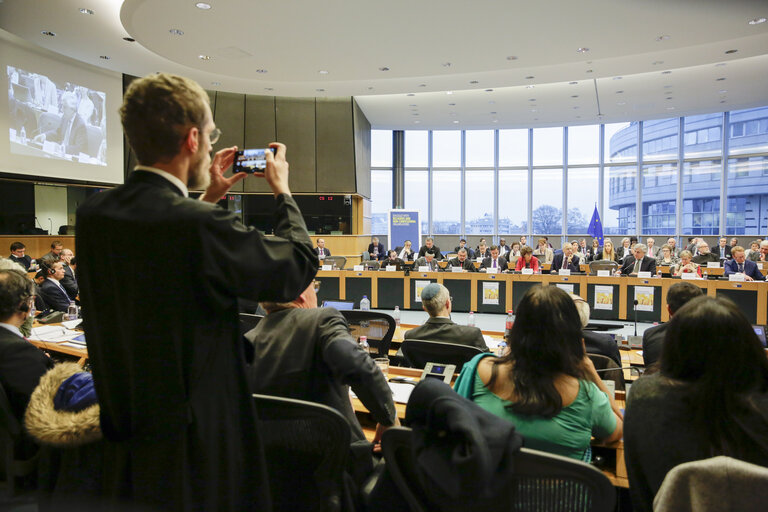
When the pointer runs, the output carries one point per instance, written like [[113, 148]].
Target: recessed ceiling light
[[530, 77], [416, 122], [176, 32], [512, 57], [572, 83], [415, 114], [622, 103], [370, 88], [535, 118], [600, 116], [530, 86], [474, 82], [657, 63], [446, 64], [451, 104], [495, 120], [722, 101], [320, 90], [216, 83], [532, 99], [323, 72], [48, 33], [668, 97], [86, 11], [493, 113], [202, 5], [722, 78], [533, 110], [667, 86], [720, 64], [666, 72], [722, 91], [663, 37], [582, 50], [589, 71], [729, 52], [578, 117], [455, 122], [452, 114], [491, 102], [422, 85], [619, 92], [756, 21], [670, 108], [617, 78], [574, 95], [413, 105], [449, 92], [261, 71], [575, 108], [129, 39], [204, 57], [105, 57], [384, 68], [410, 94], [489, 90]]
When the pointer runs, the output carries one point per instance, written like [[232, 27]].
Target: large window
[[547, 201], [547, 146], [661, 139], [513, 148], [513, 202], [659, 189], [446, 191], [583, 144], [479, 201], [416, 186], [583, 186], [701, 197], [416, 149], [446, 149], [381, 148], [381, 200]]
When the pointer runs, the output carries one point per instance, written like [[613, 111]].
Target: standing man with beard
[[177, 418]]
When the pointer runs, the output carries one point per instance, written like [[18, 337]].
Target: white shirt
[[170, 177], [15, 330]]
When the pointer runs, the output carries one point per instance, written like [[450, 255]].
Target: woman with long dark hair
[[709, 398], [545, 384]]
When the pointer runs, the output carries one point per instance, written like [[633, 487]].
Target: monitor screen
[[338, 304], [760, 331]]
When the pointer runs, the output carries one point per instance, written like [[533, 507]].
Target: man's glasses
[[214, 136]]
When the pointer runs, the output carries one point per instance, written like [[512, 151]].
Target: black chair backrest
[[378, 326], [609, 370], [339, 261], [609, 265], [371, 265], [306, 447], [542, 482], [420, 352]]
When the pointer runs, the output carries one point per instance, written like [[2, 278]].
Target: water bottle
[[396, 315], [32, 310], [23, 135], [508, 324], [72, 311], [471, 319], [501, 349], [365, 304], [364, 344], [704, 275], [658, 273]]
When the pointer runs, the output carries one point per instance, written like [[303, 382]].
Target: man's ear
[[192, 140]]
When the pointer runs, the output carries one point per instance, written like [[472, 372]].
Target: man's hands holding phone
[[276, 172]]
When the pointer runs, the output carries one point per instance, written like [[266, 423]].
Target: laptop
[[340, 305]]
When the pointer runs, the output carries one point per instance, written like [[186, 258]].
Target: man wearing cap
[[436, 301]]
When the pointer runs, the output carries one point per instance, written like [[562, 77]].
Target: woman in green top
[[545, 384]]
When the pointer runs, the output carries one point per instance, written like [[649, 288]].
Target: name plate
[[738, 276], [564, 271], [527, 271], [713, 264], [689, 275], [457, 269], [391, 268], [423, 268], [330, 267], [611, 385], [356, 268], [479, 259], [492, 270], [603, 273], [644, 275]]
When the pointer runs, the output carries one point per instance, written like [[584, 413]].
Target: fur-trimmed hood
[[60, 428]]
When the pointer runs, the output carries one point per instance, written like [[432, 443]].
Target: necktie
[[741, 268], [494, 263], [565, 262], [637, 266]]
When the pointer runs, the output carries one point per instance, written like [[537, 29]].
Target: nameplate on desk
[[713, 264], [491, 270], [564, 272], [329, 267], [644, 275], [527, 271], [391, 268], [423, 268], [689, 275], [457, 269], [603, 273], [479, 260], [738, 276], [356, 268]]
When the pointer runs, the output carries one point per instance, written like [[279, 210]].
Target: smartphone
[[251, 160]]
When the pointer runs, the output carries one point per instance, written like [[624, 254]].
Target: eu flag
[[596, 227]]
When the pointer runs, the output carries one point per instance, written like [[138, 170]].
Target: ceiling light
[[582, 50], [204, 57], [720, 79], [574, 96], [722, 101], [216, 84], [670, 108], [451, 104], [657, 63], [493, 113], [589, 71], [622, 103], [449, 92], [176, 32], [572, 83], [446, 64], [105, 57], [723, 91], [474, 82], [48, 33], [668, 97], [574, 108], [535, 118], [261, 71], [667, 86], [410, 94], [370, 88], [455, 122], [413, 105], [729, 52], [533, 110], [666, 72], [617, 78], [578, 117], [320, 90], [530, 77], [663, 37], [416, 122], [86, 11], [532, 99], [512, 57], [756, 21], [495, 120], [720, 64], [202, 5], [415, 114], [384, 68], [129, 39], [422, 85], [530, 86], [323, 72], [619, 92]]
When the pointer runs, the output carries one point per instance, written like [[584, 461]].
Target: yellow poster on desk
[[419, 286], [490, 293], [644, 298], [604, 297]]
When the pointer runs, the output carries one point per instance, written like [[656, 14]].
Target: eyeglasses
[[214, 136], [316, 284]]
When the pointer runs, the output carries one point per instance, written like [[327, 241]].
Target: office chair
[[541, 482], [339, 261], [420, 352], [14, 446], [371, 265], [248, 322], [379, 327], [594, 266], [306, 447], [608, 370]]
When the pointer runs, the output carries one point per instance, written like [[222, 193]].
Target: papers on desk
[[401, 392], [71, 324], [53, 334], [492, 343]]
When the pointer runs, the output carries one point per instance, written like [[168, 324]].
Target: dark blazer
[[21, 366], [593, 253], [167, 354], [750, 269], [325, 252], [443, 329], [435, 250], [501, 263], [468, 264], [653, 340], [727, 248], [647, 265], [409, 256], [557, 263], [470, 252], [602, 344], [382, 253], [308, 354], [69, 282], [387, 262], [56, 298], [78, 136], [479, 254], [423, 262], [25, 261], [703, 259]]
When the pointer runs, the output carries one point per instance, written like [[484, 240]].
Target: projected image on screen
[[56, 120]]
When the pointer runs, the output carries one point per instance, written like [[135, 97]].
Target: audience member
[[754, 248], [594, 251], [710, 398], [575, 250], [723, 250], [69, 282], [55, 252], [405, 252], [639, 262], [527, 260], [595, 342], [39, 279], [673, 245], [733, 242], [436, 300], [523, 241], [583, 250], [482, 251], [686, 264], [653, 249], [740, 264], [494, 260], [430, 247], [392, 260], [504, 248], [625, 250], [321, 250], [71, 133], [52, 292], [463, 245], [376, 249], [462, 260], [176, 413], [666, 258], [761, 254], [18, 255], [566, 260], [545, 384], [542, 252], [513, 253], [428, 260], [653, 337], [705, 256], [608, 252]]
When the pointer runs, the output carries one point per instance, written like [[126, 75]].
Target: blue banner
[[404, 225], [596, 227]]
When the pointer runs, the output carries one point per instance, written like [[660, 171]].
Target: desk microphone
[[635, 341], [635, 308]]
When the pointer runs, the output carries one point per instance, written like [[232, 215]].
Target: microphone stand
[[635, 341]]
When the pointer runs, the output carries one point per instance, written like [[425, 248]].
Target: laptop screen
[[760, 331], [338, 304]]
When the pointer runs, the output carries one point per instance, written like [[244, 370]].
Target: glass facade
[[494, 182]]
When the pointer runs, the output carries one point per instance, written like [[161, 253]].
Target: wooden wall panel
[[362, 134], [259, 131], [295, 121], [335, 145], [229, 116]]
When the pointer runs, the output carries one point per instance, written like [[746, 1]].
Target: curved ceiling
[[504, 63]]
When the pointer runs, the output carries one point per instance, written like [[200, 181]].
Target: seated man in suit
[[761, 254], [392, 260], [322, 252], [69, 282], [405, 252], [376, 249], [723, 250], [55, 252], [463, 245], [436, 301], [18, 255], [482, 251], [565, 260], [740, 264], [705, 256], [430, 247], [21, 363], [653, 249], [71, 132], [427, 261], [54, 295], [494, 260], [595, 342], [653, 337], [639, 262], [305, 352], [503, 247], [461, 260]]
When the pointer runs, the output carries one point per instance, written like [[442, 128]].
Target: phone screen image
[[251, 160]]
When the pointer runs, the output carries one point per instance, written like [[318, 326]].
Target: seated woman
[[545, 384], [709, 398], [543, 252], [608, 252], [527, 260], [594, 250], [666, 257], [514, 251], [686, 265]]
